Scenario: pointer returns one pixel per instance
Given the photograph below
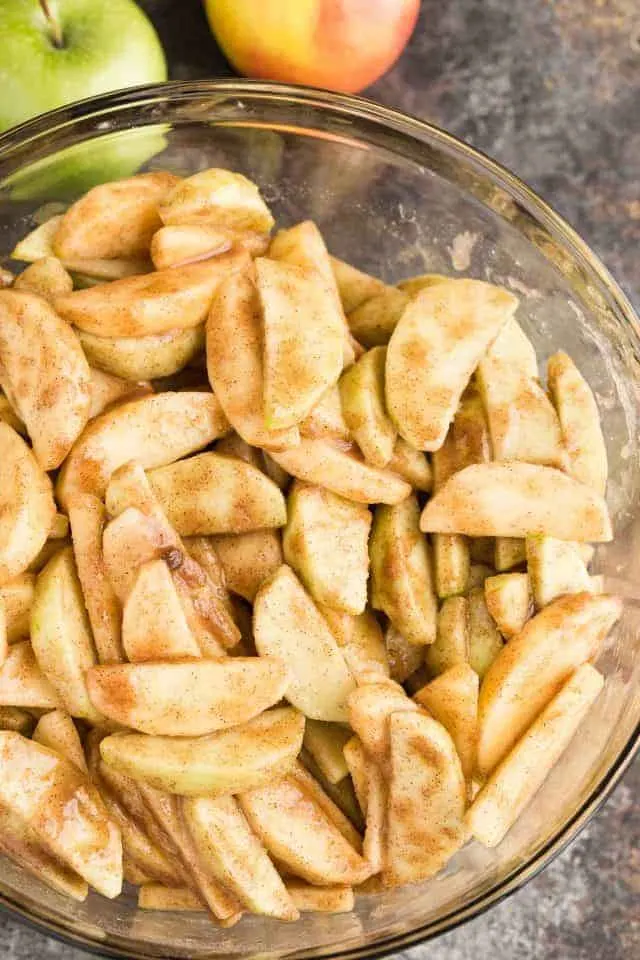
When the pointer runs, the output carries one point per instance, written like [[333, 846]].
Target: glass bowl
[[397, 197]]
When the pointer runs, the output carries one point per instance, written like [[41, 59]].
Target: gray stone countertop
[[551, 88]]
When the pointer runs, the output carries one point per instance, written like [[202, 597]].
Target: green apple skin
[[106, 45]]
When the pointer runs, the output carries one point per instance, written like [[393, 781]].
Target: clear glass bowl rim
[[17, 143]]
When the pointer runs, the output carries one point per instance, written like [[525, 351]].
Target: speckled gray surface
[[552, 89]]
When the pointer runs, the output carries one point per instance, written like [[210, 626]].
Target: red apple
[[340, 44]]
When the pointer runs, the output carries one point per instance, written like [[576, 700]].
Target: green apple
[[55, 51]]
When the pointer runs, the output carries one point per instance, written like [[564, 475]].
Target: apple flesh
[[58, 51], [340, 44]]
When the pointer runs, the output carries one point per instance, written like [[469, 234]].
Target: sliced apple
[[190, 698], [287, 624], [354, 286], [363, 404], [532, 667], [342, 472], [373, 321], [219, 198], [107, 390], [509, 552], [143, 358], [401, 578], [555, 567], [154, 430], [509, 601], [427, 799], [451, 562], [14, 718], [46, 277], [325, 742], [154, 625], [61, 634], [580, 421], [452, 700], [466, 442], [517, 500], [175, 245], [370, 707], [309, 899], [433, 351], [236, 857], [156, 896], [371, 792], [303, 338], [404, 657], [296, 830], [10, 417], [235, 362], [64, 809], [22, 682], [485, 642], [57, 731], [326, 542], [87, 516], [248, 559], [326, 419], [326, 794], [114, 219], [174, 299], [411, 465], [360, 640], [210, 493]]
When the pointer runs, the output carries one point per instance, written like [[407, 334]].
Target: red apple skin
[[342, 45]]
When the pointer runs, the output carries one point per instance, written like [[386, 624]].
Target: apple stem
[[54, 25]]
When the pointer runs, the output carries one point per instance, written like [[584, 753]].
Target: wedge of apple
[[451, 646], [373, 321], [580, 422], [309, 899], [230, 761], [341, 471], [248, 559], [517, 500], [326, 794], [157, 896], [326, 542], [217, 197], [64, 809], [181, 243], [154, 625], [14, 718], [154, 430], [27, 508], [411, 465], [235, 362], [57, 731], [360, 640], [509, 601], [325, 742], [354, 286], [287, 624], [467, 441], [174, 299], [452, 700], [143, 358], [326, 419], [401, 579], [451, 562], [532, 667], [210, 493], [107, 391], [427, 799], [22, 682], [485, 642], [365, 413], [46, 277], [433, 351], [370, 707], [61, 634], [555, 568], [187, 698]]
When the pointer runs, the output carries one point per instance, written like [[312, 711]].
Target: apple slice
[[326, 795], [342, 472], [230, 761], [360, 640], [363, 403], [248, 559], [23, 845], [174, 299], [452, 700], [371, 791], [309, 899], [521, 773], [370, 707], [531, 668], [401, 579], [13, 718], [143, 358], [156, 896], [217, 197], [210, 493], [325, 742], [517, 500], [87, 516], [189, 698], [433, 351], [413, 285], [509, 552], [287, 624], [10, 417], [107, 390], [411, 465], [61, 635], [404, 657], [354, 286], [46, 277], [22, 682], [154, 626], [326, 419], [485, 642], [373, 321], [114, 219], [580, 422], [427, 799], [326, 542], [451, 562], [303, 246], [178, 244], [509, 601], [555, 568], [235, 363], [154, 430], [303, 336], [27, 508], [236, 857], [451, 646], [296, 830], [57, 731], [466, 442], [64, 809]]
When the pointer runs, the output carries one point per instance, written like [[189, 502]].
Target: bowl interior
[[396, 198]]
